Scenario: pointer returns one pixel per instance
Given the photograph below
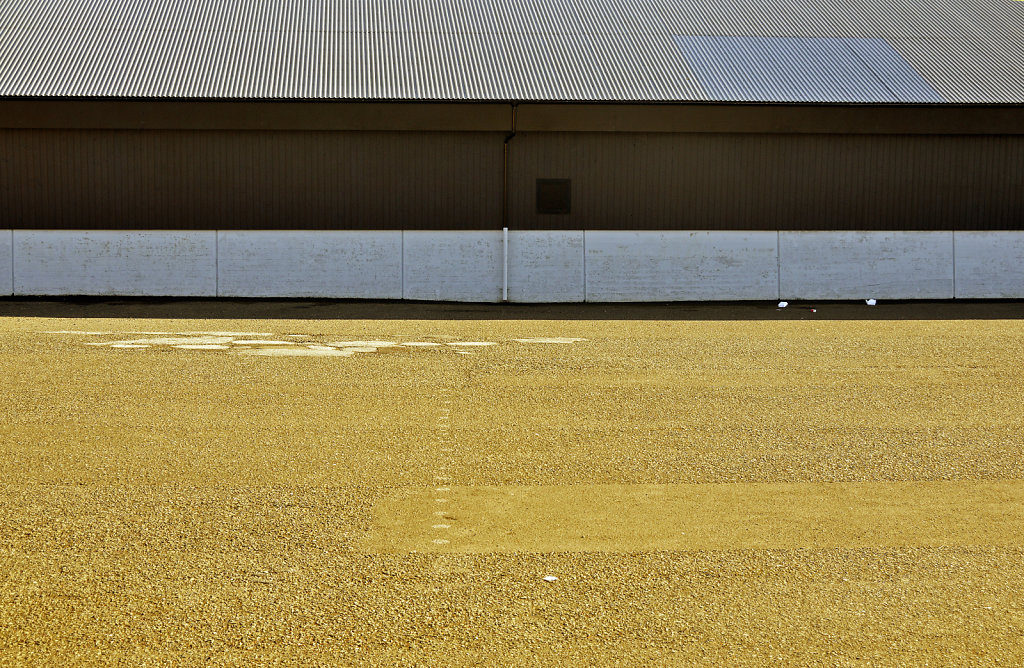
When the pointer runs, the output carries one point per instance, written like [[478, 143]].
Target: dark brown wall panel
[[185, 179], [772, 182], [63, 179]]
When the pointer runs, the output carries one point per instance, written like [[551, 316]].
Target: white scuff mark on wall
[[555, 339], [201, 346], [356, 344], [420, 344], [129, 345], [471, 343]]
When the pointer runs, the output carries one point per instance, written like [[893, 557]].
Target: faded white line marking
[[293, 352]]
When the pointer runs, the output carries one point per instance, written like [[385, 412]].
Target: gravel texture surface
[[176, 505]]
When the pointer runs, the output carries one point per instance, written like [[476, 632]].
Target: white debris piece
[[783, 304], [870, 302], [550, 578]]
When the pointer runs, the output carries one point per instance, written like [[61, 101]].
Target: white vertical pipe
[[504, 265]]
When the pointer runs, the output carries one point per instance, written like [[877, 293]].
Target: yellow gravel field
[[511, 491]]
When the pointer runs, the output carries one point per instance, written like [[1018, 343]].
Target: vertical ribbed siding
[[249, 180], [769, 182]]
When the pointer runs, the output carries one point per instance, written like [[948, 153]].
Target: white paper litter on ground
[[550, 578], [870, 302], [783, 304]]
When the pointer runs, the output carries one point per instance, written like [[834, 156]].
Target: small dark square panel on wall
[[554, 195]]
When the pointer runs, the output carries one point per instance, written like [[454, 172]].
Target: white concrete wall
[[339, 264], [989, 265], [6, 262], [681, 266], [545, 266], [860, 265], [129, 263], [460, 266]]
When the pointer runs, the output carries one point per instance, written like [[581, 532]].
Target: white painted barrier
[[129, 263], [681, 266], [989, 265], [545, 266], [458, 266], [329, 264], [860, 265], [6, 262]]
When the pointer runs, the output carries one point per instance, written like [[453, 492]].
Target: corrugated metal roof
[[804, 69], [595, 50]]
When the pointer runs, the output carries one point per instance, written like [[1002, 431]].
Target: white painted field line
[[442, 440]]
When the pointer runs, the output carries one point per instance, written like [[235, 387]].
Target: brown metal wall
[[64, 179], [772, 181], [220, 179]]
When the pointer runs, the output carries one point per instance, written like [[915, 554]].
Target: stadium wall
[[394, 200], [543, 266]]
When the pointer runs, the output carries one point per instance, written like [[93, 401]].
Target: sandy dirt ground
[[258, 483]]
